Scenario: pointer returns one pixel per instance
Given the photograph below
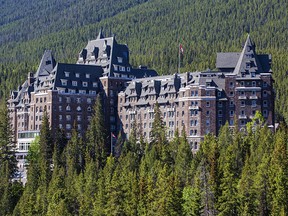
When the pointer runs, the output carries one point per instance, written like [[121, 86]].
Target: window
[[77, 75], [231, 103], [79, 109], [220, 122], [64, 82], [79, 126], [89, 101], [220, 104], [231, 122], [60, 117], [207, 113], [82, 91], [242, 103], [207, 103], [207, 93], [191, 123], [242, 112], [220, 113], [89, 109], [78, 117], [68, 126], [119, 59], [231, 84], [265, 93], [84, 84], [74, 83], [253, 74], [68, 117], [128, 69], [254, 83], [88, 76], [219, 93], [95, 84], [254, 104], [66, 74], [265, 103], [68, 100], [121, 68], [264, 84], [231, 113], [242, 83], [60, 108], [68, 108], [231, 93], [92, 92], [115, 68], [265, 113], [207, 122], [60, 126]]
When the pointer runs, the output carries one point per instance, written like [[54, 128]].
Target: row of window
[[79, 109], [77, 75], [77, 100]]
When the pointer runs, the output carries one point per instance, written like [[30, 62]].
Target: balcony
[[254, 97], [242, 97], [242, 117], [193, 107]]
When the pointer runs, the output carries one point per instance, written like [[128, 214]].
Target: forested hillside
[[152, 29]]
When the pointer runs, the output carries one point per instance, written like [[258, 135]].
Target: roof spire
[[248, 60], [100, 35]]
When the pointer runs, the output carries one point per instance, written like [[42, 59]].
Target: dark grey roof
[[95, 72], [227, 60]]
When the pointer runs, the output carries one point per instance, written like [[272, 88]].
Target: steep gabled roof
[[248, 61]]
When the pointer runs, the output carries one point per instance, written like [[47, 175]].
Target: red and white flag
[[113, 136], [181, 50]]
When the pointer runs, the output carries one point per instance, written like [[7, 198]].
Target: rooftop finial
[[100, 35]]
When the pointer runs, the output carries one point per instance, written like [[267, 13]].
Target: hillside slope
[[152, 29]]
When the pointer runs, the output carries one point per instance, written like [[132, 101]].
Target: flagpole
[[111, 143], [179, 59]]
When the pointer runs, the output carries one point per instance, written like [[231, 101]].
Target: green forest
[[151, 28], [235, 173]]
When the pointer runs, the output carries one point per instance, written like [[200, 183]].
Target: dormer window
[[121, 68], [66, 74], [115, 68], [120, 59], [128, 69], [77, 75], [64, 82], [74, 83], [95, 84], [84, 84], [88, 76]]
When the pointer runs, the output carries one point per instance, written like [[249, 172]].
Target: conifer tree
[[7, 165], [158, 136], [97, 145], [45, 165], [278, 174]]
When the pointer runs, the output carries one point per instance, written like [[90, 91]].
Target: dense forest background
[[151, 28]]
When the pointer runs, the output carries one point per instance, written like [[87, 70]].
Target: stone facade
[[202, 101]]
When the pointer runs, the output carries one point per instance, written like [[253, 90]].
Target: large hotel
[[201, 101]]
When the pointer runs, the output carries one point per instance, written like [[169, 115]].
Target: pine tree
[[97, 137], [158, 136], [278, 174], [192, 196], [7, 165]]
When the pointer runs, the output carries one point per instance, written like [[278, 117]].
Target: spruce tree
[[278, 174], [98, 144], [8, 165]]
